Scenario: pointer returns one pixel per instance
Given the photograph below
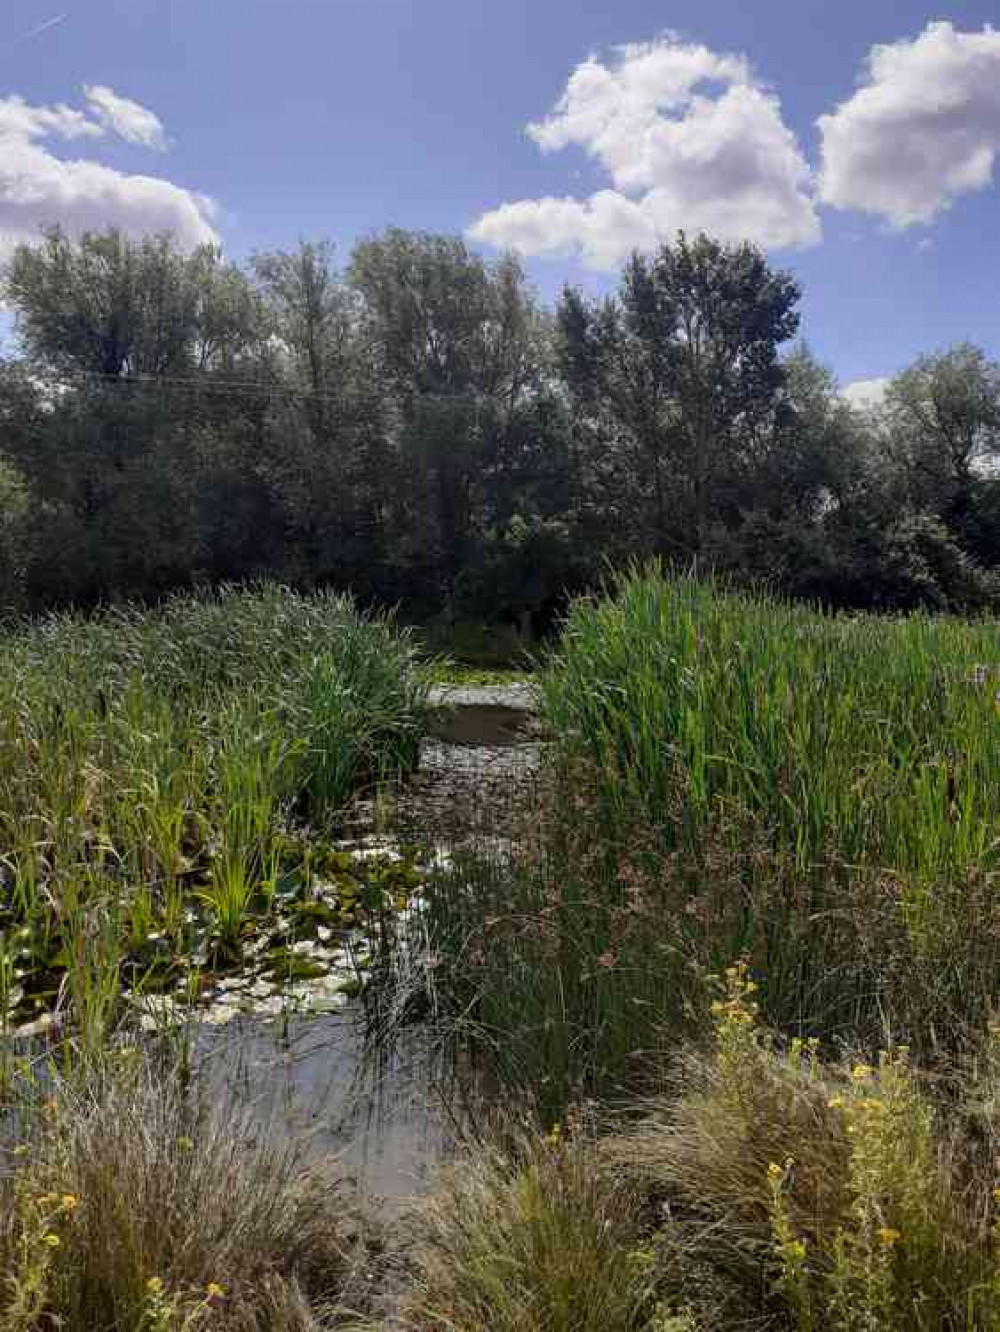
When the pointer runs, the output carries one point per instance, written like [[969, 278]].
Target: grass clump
[[121, 1209], [847, 1196], [529, 1236]]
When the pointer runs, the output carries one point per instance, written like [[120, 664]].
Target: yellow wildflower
[[214, 1291], [836, 1102], [154, 1285], [774, 1171], [861, 1071], [51, 1239], [889, 1236], [70, 1202], [185, 1145]]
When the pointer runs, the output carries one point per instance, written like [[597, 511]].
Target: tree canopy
[[413, 423]]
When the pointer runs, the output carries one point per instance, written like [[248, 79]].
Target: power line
[[207, 382]]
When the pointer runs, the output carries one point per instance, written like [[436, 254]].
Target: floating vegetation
[[306, 946], [170, 786]]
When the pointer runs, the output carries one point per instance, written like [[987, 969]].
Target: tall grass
[[864, 740], [841, 777], [151, 762], [123, 1207], [733, 776]]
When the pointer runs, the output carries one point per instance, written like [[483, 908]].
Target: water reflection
[[317, 1080]]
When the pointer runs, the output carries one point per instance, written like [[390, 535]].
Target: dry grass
[[533, 1237], [122, 1211]]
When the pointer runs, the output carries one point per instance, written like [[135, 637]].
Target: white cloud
[[922, 130], [39, 188], [18, 120], [865, 393], [128, 119], [688, 139]]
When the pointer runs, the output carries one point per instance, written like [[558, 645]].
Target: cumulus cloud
[[688, 138], [39, 187], [865, 393], [923, 129], [128, 119]]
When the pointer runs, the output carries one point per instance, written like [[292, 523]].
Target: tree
[[684, 362], [942, 422], [120, 308], [312, 319], [460, 345]]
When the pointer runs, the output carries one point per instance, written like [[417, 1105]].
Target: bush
[[827, 1196]]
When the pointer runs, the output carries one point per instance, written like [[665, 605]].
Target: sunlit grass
[[153, 765], [864, 739]]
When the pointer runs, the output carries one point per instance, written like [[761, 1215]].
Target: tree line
[[417, 426]]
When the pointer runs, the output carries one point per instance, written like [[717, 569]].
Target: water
[[314, 1077], [316, 1083]]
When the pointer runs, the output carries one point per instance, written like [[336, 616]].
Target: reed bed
[[866, 740], [163, 773], [735, 777]]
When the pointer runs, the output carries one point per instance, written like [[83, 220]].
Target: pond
[[318, 1076]]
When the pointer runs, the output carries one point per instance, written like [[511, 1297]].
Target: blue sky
[[339, 117]]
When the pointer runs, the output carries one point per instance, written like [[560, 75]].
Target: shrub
[[838, 1197]]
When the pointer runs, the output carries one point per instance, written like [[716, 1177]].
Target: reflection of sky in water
[[378, 1114]]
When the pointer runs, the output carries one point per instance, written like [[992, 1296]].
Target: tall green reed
[[154, 760]]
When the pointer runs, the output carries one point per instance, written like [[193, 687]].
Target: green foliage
[[843, 771], [865, 1201], [859, 741], [154, 765], [415, 426]]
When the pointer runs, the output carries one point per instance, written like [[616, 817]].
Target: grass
[[729, 989], [123, 1208], [163, 774], [808, 1194], [759, 1187], [736, 777], [739, 788], [527, 1236], [853, 741]]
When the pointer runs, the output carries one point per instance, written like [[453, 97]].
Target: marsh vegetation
[[708, 960]]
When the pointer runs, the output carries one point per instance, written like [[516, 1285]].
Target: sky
[[856, 142]]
